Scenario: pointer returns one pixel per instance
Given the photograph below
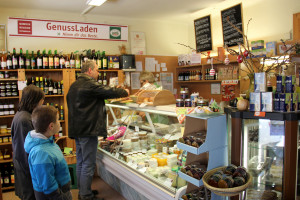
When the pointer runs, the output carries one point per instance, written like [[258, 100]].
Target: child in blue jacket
[[49, 170]]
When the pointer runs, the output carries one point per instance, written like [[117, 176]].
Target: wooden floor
[[105, 191]]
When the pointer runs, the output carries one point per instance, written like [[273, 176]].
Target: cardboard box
[[255, 101], [271, 49], [113, 62], [260, 82], [267, 101], [290, 84], [277, 102], [285, 102], [280, 84]]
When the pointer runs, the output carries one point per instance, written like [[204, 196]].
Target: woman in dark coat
[[32, 97]]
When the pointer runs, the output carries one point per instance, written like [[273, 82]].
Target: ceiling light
[[95, 2]]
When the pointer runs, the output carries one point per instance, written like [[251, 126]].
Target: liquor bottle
[[54, 88], [200, 76], [77, 60], [3, 60], [37, 81], [21, 60], [50, 60], [58, 88], [56, 60], [45, 60], [33, 61], [110, 64], [12, 175], [100, 78], [99, 60], [41, 83], [9, 61], [6, 177], [50, 87], [72, 60], [104, 80], [27, 60], [104, 61], [67, 62], [39, 60], [61, 61], [46, 87], [62, 86], [15, 60], [61, 113], [32, 80]]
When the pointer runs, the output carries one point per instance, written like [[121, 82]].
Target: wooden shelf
[[5, 143], [103, 70], [59, 95], [8, 79], [43, 70], [61, 121], [8, 70], [186, 66], [8, 188], [14, 97], [6, 116], [6, 134], [202, 81], [6, 161]]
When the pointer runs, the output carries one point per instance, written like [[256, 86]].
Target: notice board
[[203, 34], [231, 36]]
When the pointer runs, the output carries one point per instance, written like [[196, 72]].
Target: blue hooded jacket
[[48, 168]]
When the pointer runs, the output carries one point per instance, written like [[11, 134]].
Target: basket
[[224, 191]]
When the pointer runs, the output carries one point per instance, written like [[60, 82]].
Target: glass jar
[[184, 94], [187, 103], [8, 92], [2, 86], [14, 85], [14, 92], [179, 103], [8, 85], [6, 75], [6, 109]]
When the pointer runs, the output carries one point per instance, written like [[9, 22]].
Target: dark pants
[[23, 185], [86, 148]]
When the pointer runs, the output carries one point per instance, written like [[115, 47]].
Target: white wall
[[160, 36], [272, 20]]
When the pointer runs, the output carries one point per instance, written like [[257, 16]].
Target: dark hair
[[31, 96], [86, 65], [42, 116]]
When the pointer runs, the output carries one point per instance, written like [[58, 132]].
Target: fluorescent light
[[88, 9], [95, 2]]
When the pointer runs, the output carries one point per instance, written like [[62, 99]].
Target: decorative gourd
[[242, 104]]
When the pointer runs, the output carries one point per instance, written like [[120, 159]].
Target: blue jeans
[[86, 148]]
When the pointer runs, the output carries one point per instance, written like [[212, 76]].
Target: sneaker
[[95, 192]]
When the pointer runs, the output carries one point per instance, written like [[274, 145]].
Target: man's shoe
[[95, 192]]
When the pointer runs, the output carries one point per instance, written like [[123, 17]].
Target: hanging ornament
[[240, 57], [208, 57], [246, 53], [227, 61], [212, 70]]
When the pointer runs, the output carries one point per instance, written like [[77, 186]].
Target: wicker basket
[[224, 191]]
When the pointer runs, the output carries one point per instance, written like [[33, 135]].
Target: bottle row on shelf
[[59, 108], [196, 75], [7, 108], [8, 75], [7, 175], [9, 89], [56, 61], [49, 86]]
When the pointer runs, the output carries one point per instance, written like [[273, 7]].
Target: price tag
[[21, 85], [143, 170], [168, 182], [260, 114], [137, 129]]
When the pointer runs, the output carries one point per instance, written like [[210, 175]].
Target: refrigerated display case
[[129, 171], [268, 147]]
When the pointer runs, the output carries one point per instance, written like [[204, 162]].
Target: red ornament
[[240, 59], [212, 72], [246, 53]]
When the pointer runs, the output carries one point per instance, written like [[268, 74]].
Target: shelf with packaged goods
[[8, 188], [103, 70], [9, 70], [6, 116], [8, 79], [6, 161], [200, 81], [14, 97], [44, 70], [5, 143]]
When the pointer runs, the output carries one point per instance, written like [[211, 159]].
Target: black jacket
[[86, 106]]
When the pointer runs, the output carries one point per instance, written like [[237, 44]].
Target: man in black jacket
[[87, 121]]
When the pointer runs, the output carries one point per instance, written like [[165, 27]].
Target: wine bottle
[[46, 87], [100, 78], [27, 60], [54, 88], [111, 64], [51, 60], [3, 60], [9, 61], [21, 60], [33, 61], [94, 57], [99, 60], [67, 62], [50, 87], [58, 88], [15, 63], [104, 80], [61, 113], [104, 61], [37, 81], [45, 60], [61, 61], [77, 60], [12, 174], [41, 83], [56, 60], [39, 60], [62, 86], [72, 60]]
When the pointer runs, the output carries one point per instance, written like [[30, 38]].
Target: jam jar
[[14, 92], [179, 103], [187, 103], [2, 86]]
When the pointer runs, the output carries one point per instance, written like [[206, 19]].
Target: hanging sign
[[63, 29], [203, 34]]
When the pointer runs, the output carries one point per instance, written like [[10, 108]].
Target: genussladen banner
[[62, 29]]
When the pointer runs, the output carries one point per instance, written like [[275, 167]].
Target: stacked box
[[280, 84], [276, 102], [267, 101], [260, 82], [285, 102], [255, 101], [271, 49], [290, 84]]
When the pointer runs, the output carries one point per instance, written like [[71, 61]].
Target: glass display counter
[[268, 147], [143, 162]]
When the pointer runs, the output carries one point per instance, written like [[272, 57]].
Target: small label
[[137, 129], [260, 114]]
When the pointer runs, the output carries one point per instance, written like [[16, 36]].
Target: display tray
[[190, 179], [192, 149]]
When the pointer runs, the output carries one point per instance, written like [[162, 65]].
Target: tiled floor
[[105, 191]]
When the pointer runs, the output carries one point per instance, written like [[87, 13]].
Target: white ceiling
[[143, 9]]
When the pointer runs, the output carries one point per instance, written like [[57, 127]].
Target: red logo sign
[[25, 27]]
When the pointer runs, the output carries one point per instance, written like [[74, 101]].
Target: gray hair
[[86, 65], [147, 76]]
